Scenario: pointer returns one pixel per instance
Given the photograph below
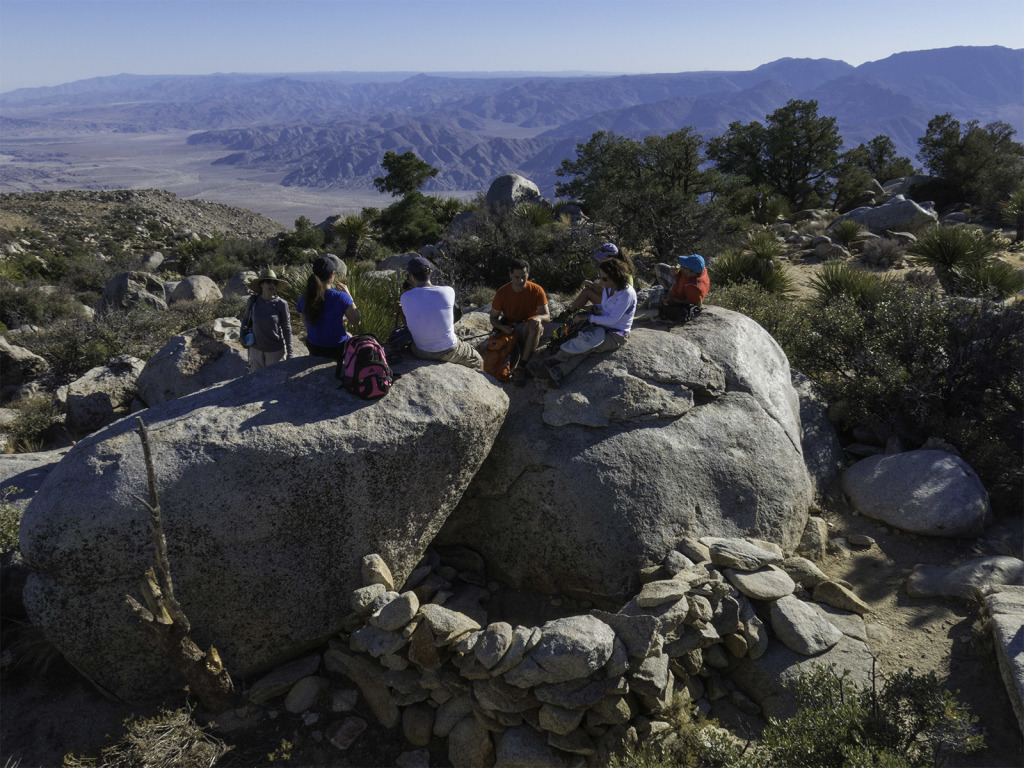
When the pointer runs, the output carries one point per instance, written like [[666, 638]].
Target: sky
[[43, 42]]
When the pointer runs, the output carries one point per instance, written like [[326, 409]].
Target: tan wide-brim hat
[[265, 274]]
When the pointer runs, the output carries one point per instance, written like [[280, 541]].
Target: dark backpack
[[678, 313], [501, 356], [363, 368], [571, 326]]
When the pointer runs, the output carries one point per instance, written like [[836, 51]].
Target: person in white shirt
[[430, 317], [606, 326]]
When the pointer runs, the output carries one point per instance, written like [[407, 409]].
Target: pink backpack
[[364, 369]]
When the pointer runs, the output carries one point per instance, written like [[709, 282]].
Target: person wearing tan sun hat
[[266, 322]]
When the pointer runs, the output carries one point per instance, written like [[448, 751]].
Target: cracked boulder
[[693, 431], [272, 488]]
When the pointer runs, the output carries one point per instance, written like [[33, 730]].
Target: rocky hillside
[[136, 214]]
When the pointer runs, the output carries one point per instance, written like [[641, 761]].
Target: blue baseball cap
[[694, 262]]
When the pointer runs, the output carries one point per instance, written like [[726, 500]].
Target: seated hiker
[[591, 293], [268, 320], [430, 316], [325, 310], [687, 283], [520, 307], [606, 328]]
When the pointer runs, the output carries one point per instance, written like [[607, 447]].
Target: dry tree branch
[[164, 618]]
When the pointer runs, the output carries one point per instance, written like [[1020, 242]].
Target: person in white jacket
[[606, 325]]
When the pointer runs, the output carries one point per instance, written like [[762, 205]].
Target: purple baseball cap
[[606, 250]]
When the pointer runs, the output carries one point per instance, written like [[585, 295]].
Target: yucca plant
[[846, 232], [992, 280], [765, 246], [375, 295], [1012, 207], [733, 267], [536, 214], [768, 207], [836, 279], [351, 230], [953, 251]]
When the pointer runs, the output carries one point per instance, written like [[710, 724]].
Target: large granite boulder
[[823, 453], [933, 493], [897, 213], [95, 398], [130, 289], [273, 487], [19, 365], [510, 190], [194, 360], [690, 432], [196, 288]]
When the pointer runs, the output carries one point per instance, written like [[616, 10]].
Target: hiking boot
[[551, 368], [537, 369], [519, 376]]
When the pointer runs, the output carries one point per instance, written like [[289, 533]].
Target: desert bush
[[74, 345], [36, 416], [690, 742], [1012, 207], [35, 303], [787, 321], [924, 366], [883, 253], [911, 721], [10, 519], [840, 279], [558, 253], [219, 266], [171, 738], [846, 231]]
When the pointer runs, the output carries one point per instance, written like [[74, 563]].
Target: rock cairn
[[425, 657]]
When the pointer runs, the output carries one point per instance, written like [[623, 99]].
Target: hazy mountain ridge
[[327, 131]]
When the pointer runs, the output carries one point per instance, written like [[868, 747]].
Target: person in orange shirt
[[520, 307], [687, 283]]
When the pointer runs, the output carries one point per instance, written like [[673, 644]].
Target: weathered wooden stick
[[164, 618]]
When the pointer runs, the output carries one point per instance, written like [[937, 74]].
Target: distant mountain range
[[330, 130]]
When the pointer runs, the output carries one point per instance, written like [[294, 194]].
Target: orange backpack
[[501, 355]]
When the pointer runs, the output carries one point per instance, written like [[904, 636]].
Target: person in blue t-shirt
[[325, 310]]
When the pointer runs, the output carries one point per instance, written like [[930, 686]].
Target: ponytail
[[313, 299]]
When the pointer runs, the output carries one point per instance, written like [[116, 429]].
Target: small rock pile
[[426, 657]]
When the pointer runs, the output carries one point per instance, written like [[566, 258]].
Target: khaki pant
[[259, 359], [462, 354], [587, 342]]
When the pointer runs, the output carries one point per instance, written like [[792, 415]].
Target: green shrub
[[1012, 207], [912, 721], [925, 366], [787, 321], [36, 416], [846, 232], [74, 345], [836, 279], [10, 519], [35, 303]]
